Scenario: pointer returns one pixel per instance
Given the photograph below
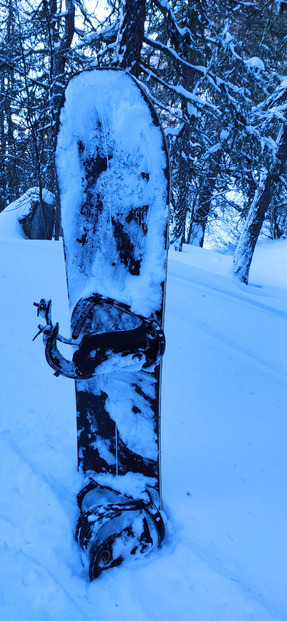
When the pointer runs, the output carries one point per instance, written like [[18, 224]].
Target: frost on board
[[113, 179]]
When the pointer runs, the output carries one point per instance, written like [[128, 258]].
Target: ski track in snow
[[189, 314], [223, 453], [199, 281]]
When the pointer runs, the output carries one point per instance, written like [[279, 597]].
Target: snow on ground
[[224, 458]]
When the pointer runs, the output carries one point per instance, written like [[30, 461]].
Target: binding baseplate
[[113, 527], [144, 344]]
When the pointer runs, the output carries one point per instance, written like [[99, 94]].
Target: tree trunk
[[63, 47], [199, 220], [182, 186], [59, 63], [131, 35], [260, 204], [197, 227]]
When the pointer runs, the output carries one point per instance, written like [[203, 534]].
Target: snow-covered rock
[[28, 217]]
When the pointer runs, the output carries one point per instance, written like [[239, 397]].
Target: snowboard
[[113, 180]]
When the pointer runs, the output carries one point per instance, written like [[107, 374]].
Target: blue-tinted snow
[[224, 459]]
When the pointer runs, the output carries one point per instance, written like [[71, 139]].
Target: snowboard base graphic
[[113, 179]]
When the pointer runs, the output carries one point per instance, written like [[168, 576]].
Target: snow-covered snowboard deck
[[113, 179]]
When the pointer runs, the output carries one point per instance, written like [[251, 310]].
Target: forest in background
[[217, 75]]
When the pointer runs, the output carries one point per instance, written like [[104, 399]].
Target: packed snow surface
[[224, 458]]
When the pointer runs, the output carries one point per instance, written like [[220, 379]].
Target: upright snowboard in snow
[[113, 178]]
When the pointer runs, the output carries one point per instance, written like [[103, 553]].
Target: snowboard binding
[[144, 344], [113, 527]]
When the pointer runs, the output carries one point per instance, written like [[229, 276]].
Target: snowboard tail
[[113, 178]]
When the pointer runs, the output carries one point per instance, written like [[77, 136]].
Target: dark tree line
[[214, 70]]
